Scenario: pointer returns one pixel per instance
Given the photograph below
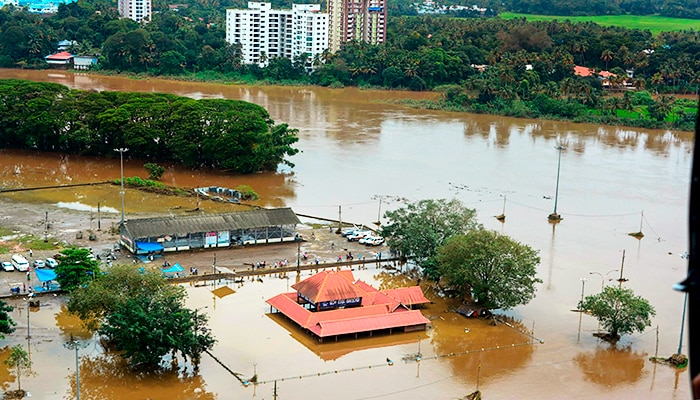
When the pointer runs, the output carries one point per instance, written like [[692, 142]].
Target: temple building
[[332, 304]]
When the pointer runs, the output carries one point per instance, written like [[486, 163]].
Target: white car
[[358, 235], [373, 240], [51, 263], [7, 266]]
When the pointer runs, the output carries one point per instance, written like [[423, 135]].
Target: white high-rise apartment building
[[264, 33], [138, 10]]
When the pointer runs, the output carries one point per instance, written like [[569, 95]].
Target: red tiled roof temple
[[351, 307]]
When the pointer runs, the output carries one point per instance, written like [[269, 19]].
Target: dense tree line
[[529, 69], [228, 135]]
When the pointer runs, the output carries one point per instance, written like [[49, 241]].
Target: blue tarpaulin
[[174, 269], [45, 275], [147, 247]]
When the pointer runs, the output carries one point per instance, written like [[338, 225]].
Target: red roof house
[[604, 76], [332, 304], [60, 60]]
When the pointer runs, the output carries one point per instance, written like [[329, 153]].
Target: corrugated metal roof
[[185, 224]]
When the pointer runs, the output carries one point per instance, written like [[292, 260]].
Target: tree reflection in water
[[610, 366], [108, 377], [70, 325], [6, 376], [454, 334]]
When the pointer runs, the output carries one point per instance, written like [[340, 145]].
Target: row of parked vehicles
[[362, 236], [20, 263]]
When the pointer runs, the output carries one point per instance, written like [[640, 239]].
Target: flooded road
[[356, 148]]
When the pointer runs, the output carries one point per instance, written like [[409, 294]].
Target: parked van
[[20, 263]]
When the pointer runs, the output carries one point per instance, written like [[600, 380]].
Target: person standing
[[31, 253]]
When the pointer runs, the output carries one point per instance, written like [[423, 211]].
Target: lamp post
[[554, 217], [121, 152], [75, 345], [602, 277]]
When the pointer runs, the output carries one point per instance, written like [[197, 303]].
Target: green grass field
[[653, 23]]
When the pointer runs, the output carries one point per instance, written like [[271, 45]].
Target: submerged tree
[[619, 311], [20, 362], [418, 229], [142, 316], [155, 171], [491, 269], [75, 268]]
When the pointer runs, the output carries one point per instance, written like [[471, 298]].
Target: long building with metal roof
[[178, 233]]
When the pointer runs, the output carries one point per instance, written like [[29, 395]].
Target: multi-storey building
[[264, 33], [358, 20], [138, 10]]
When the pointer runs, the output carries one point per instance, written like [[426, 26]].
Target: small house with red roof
[[604, 76], [61, 60], [332, 304]]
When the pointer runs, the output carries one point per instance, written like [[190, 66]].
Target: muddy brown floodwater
[[358, 149]]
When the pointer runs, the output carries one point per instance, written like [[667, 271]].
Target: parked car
[[7, 266], [20, 263], [349, 231], [375, 241], [358, 235], [51, 263], [38, 264]]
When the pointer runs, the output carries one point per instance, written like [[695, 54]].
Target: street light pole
[[75, 345], [554, 217], [602, 278], [121, 152]]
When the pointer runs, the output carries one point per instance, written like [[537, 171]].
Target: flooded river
[[357, 149]]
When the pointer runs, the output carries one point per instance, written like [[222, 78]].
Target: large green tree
[[619, 311], [75, 268], [143, 316], [418, 229], [491, 269], [148, 327]]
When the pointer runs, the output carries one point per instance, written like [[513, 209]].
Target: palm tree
[[606, 56]]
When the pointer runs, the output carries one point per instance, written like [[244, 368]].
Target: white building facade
[[138, 10], [264, 33]]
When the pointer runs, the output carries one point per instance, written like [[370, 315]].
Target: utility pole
[[680, 341], [75, 345], [99, 227], [121, 152], [622, 268], [583, 287], [46, 227], [340, 219], [554, 217]]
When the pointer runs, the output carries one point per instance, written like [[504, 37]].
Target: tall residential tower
[[358, 20], [264, 33], [138, 10]]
